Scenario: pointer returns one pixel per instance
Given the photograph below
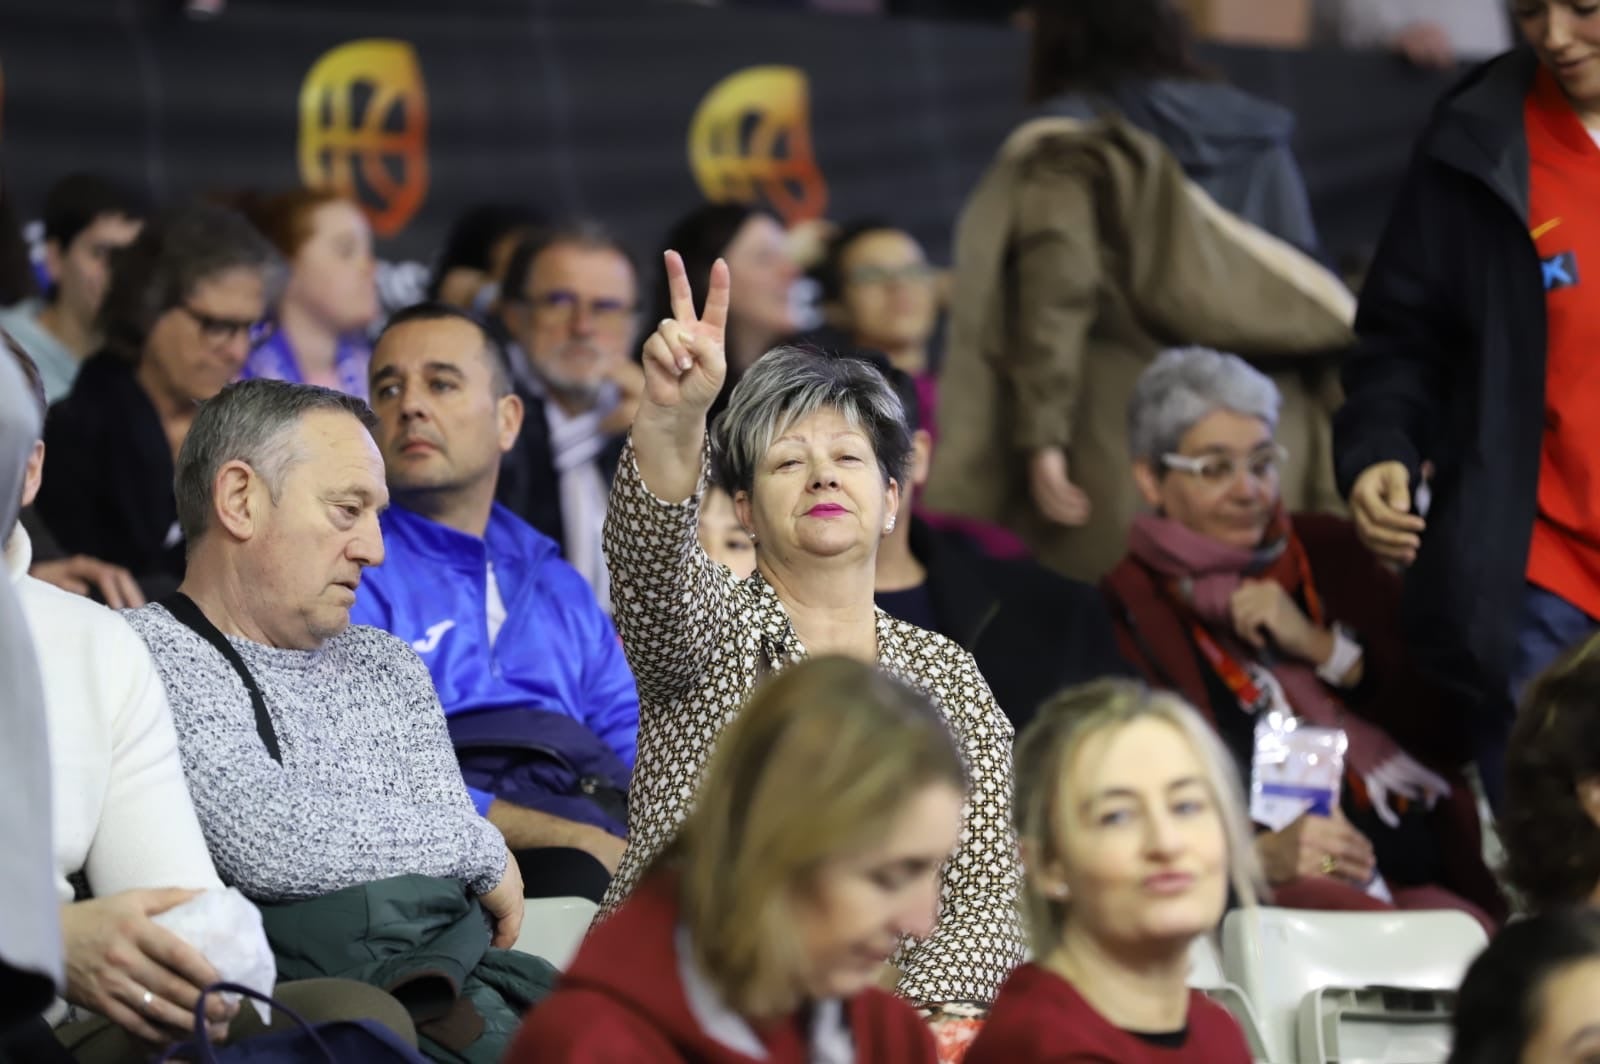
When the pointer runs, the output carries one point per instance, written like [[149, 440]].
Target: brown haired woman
[[1550, 826]]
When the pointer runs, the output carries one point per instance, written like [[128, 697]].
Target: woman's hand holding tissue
[[137, 974]]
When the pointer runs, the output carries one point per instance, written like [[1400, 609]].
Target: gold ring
[[1329, 863]]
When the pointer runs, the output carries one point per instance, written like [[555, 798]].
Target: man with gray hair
[[315, 751], [570, 304]]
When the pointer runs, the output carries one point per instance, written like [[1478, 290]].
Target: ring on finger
[[146, 1000], [1329, 863]]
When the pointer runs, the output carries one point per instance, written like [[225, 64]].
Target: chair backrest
[[1384, 1026], [1205, 964], [553, 928], [1206, 975], [1279, 956]]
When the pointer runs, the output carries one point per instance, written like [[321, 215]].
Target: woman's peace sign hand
[[684, 359]]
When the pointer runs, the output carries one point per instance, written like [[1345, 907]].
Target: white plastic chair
[[1318, 980], [1206, 976], [553, 928]]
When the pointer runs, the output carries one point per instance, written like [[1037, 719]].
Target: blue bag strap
[[201, 1045]]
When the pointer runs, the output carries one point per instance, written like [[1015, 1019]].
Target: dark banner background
[[587, 108]]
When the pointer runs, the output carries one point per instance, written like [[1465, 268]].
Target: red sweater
[[622, 1000], [1564, 221], [1039, 1016]]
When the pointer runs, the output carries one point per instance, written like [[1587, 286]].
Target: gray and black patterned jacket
[[698, 640]]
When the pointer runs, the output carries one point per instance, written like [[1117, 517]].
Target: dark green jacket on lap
[[424, 940]]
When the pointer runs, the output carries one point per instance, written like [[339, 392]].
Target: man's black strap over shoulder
[[182, 607]]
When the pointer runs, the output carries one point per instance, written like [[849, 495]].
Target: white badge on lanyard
[[1296, 768]]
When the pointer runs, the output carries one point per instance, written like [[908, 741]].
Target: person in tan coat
[[1095, 240], [1083, 253]]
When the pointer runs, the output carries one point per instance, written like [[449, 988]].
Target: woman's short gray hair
[[788, 384], [1185, 384]]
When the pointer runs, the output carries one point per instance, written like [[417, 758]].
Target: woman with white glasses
[[1256, 616]]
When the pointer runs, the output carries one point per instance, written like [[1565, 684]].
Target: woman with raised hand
[[760, 934], [813, 450], [752, 241], [1133, 830]]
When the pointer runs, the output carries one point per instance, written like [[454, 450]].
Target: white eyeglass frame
[[1193, 464]]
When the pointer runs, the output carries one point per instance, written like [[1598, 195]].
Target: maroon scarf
[[1201, 574]]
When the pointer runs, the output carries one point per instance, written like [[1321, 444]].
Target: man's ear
[[512, 315], [237, 498], [510, 412], [33, 475]]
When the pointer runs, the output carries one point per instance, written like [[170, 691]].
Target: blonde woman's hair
[[1051, 743], [817, 765]]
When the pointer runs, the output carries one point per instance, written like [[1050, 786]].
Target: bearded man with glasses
[[184, 308], [570, 309]]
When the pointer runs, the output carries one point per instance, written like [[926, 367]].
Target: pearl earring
[[888, 528]]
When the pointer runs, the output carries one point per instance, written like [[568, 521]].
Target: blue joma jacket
[[556, 651]]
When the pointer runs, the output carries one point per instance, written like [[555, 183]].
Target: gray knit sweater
[[369, 787]]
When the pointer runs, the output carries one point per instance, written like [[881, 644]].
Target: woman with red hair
[[331, 296]]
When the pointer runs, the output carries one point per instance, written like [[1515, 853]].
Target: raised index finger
[[717, 295], [678, 288]]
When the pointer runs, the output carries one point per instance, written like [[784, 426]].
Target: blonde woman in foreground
[[762, 933], [1132, 829]]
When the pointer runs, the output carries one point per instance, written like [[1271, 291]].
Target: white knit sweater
[[369, 786], [120, 808]]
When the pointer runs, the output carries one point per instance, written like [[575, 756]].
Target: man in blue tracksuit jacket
[[537, 693]]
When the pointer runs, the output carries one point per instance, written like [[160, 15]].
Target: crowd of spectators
[[914, 665]]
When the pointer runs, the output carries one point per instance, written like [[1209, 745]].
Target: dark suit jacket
[[529, 486], [1032, 631]]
